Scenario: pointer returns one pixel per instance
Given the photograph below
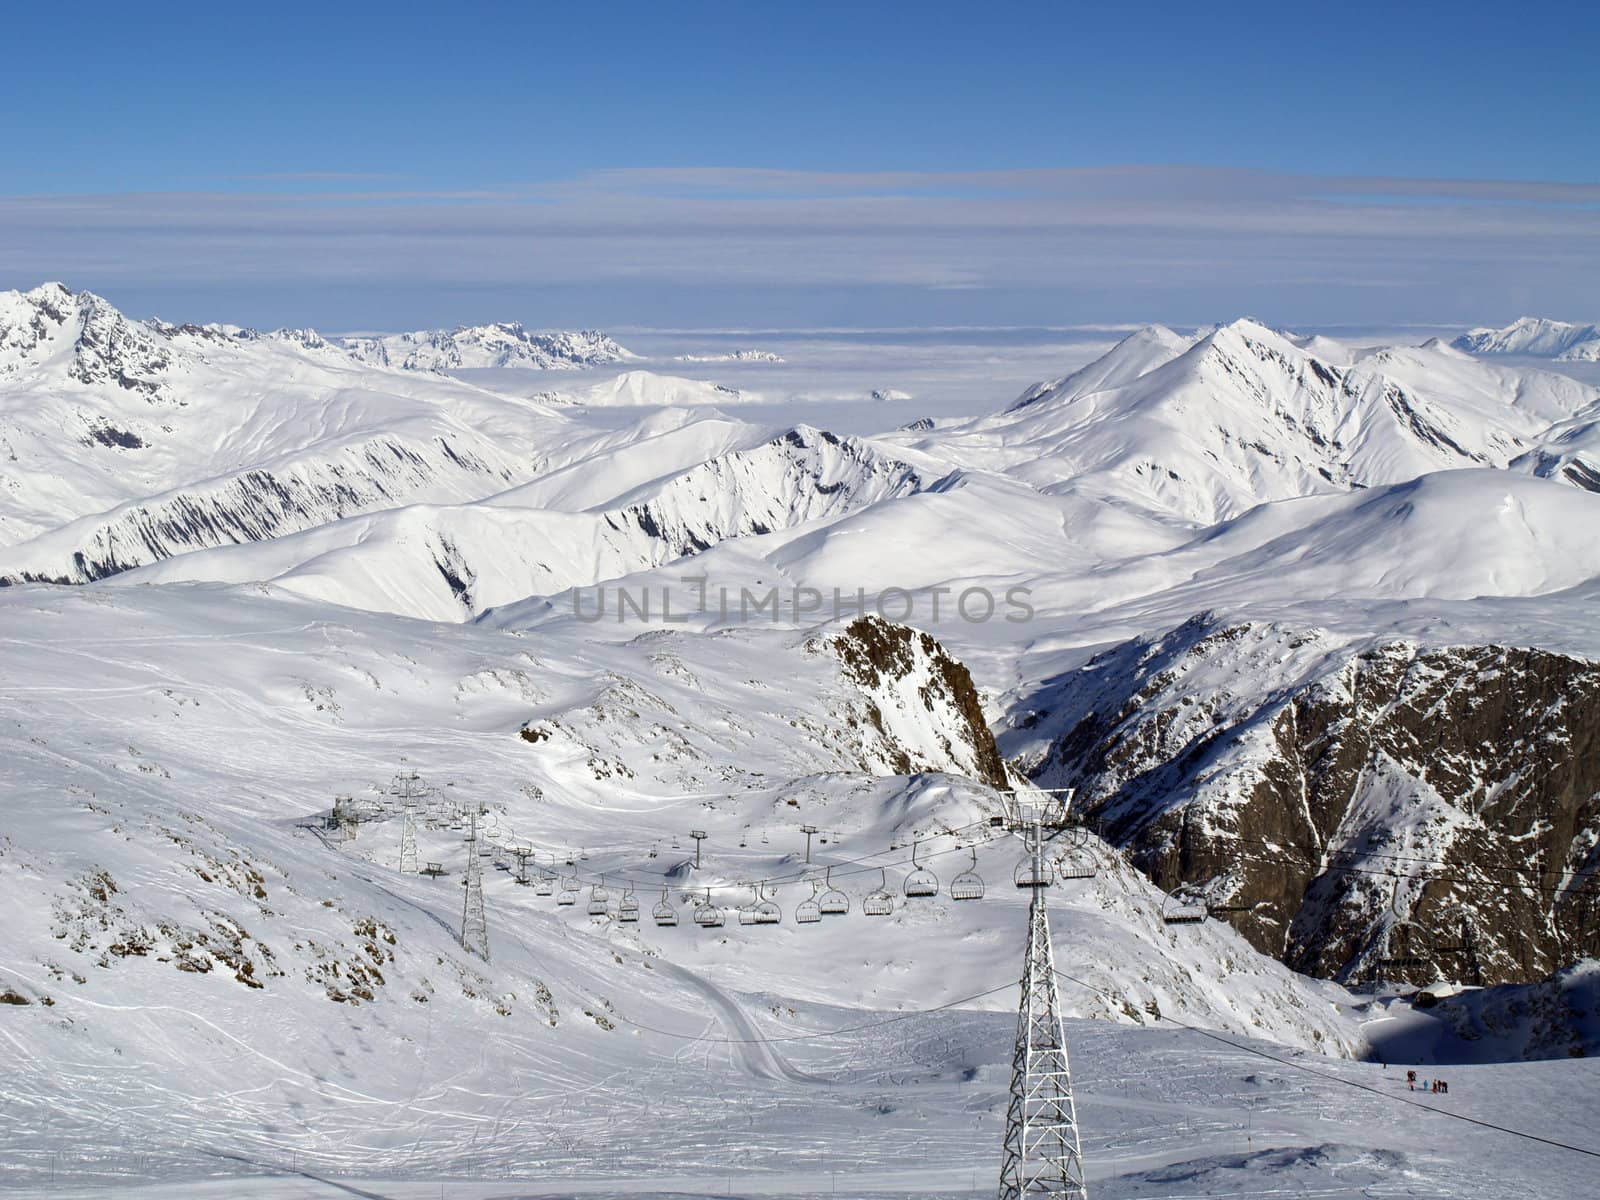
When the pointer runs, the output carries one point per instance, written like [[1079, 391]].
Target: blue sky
[[365, 165]]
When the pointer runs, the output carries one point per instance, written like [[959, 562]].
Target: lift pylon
[[1041, 1155], [474, 923]]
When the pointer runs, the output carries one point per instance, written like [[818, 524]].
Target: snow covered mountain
[[1202, 431], [1309, 627], [126, 441], [452, 563], [1536, 337], [478, 346]]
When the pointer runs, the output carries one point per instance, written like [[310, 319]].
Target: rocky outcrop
[[1381, 810], [904, 671]]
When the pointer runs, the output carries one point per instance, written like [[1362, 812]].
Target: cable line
[[1365, 1087]]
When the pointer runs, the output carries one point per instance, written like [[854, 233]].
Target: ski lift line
[[859, 866], [824, 1034], [1289, 1062]]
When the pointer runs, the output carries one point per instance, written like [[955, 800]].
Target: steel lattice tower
[[1041, 1155], [408, 842], [410, 788], [474, 924]]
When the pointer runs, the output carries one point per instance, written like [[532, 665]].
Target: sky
[[356, 165]]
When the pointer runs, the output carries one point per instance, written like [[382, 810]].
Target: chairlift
[[921, 883], [969, 884], [808, 911], [1075, 863], [706, 914], [599, 899], [834, 903], [628, 908], [1026, 877], [545, 885], [1407, 946], [879, 903], [664, 913], [569, 891], [1228, 907], [767, 910], [761, 911], [1182, 908]]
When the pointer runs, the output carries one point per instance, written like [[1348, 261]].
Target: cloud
[[1093, 232]]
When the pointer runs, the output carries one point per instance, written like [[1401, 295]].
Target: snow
[[327, 561]]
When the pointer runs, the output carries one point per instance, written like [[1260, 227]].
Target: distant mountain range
[[1537, 338], [499, 345]]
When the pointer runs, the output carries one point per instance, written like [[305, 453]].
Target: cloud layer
[[1147, 242]]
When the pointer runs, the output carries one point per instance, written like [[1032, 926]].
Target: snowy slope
[[1536, 337], [258, 999]]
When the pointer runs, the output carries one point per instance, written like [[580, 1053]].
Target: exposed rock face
[[1383, 810], [903, 670]]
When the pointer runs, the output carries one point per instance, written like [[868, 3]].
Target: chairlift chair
[[969, 884], [545, 885], [628, 908], [808, 911], [664, 913], [1075, 863], [833, 903], [767, 910], [1025, 876], [1182, 908], [706, 914], [879, 903], [1406, 949], [569, 891], [921, 883], [599, 899]]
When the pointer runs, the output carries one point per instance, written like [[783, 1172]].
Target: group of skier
[[1437, 1086]]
